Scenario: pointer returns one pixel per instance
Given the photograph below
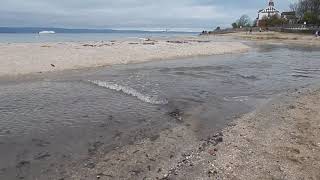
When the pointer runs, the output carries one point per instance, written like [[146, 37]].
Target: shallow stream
[[49, 121]]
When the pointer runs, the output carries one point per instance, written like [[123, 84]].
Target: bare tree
[[307, 9], [312, 6], [244, 21], [293, 6]]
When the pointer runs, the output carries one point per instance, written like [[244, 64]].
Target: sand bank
[[23, 58], [276, 37], [279, 142]]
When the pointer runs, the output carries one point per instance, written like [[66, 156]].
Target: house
[[290, 17], [267, 12]]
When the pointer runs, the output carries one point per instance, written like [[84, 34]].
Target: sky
[[129, 14]]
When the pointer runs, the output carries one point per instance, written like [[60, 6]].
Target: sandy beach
[[277, 37], [24, 58]]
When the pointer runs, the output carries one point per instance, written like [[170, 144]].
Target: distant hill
[[63, 30]]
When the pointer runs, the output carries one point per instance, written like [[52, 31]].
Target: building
[[290, 17], [267, 12]]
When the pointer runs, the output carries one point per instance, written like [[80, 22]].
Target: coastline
[[25, 58]]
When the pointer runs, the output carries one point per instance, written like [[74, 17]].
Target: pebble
[[212, 152]]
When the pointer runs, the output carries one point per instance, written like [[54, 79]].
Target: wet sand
[[279, 140], [24, 58]]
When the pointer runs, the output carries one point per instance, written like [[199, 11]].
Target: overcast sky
[[129, 13]]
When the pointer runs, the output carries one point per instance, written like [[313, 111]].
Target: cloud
[[127, 13]]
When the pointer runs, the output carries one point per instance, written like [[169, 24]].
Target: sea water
[[80, 37]]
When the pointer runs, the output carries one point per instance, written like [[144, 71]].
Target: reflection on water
[[59, 118]]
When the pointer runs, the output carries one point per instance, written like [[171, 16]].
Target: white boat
[[47, 32]]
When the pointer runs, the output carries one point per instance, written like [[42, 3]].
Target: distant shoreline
[[35, 30]]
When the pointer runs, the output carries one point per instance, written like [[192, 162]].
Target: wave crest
[[130, 91]]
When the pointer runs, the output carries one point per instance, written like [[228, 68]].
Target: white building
[[268, 11]]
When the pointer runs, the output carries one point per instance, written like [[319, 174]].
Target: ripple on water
[[305, 72], [130, 91]]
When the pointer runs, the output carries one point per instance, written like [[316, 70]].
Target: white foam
[[237, 98], [130, 91]]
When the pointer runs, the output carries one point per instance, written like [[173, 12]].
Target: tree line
[[306, 11]]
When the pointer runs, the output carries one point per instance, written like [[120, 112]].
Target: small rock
[[186, 154], [212, 152], [40, 142], [212, 172], [22, 164], [292, 107], [136, 171], [99, 175], [103, 125], [90, 165], [219, 139], [155, 137], [53, 65], [219, 134], [94, 147], [176, 114], [42, 156]]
